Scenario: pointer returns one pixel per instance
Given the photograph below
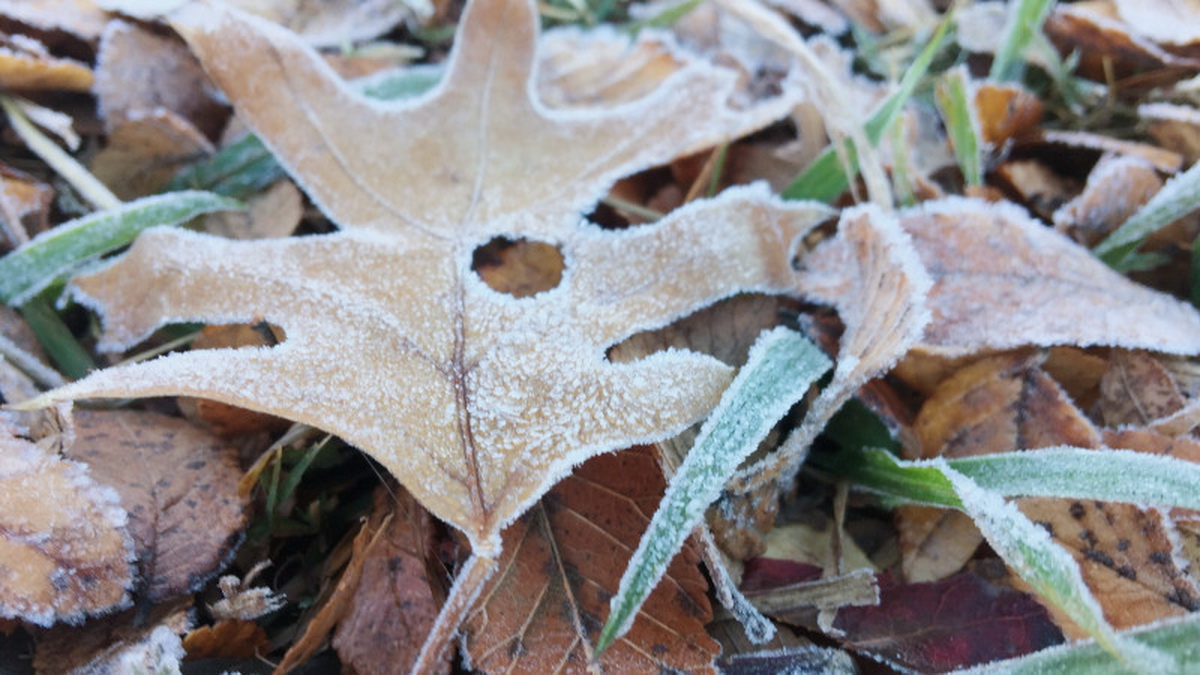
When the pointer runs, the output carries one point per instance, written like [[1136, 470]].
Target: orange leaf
[[563, 561]]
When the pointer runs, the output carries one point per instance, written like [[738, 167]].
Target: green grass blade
[[781, 367], [52, 254], [238, 170], [1179, 197], [825, 178], [1025, 19], [1178, 637], [953, 96], [58, 341], [1047, 567], [1067, 472], [1080, 473]]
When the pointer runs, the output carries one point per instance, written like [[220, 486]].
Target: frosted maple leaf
[[475, 400]]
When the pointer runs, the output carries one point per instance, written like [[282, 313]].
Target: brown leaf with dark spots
[[64, 543], [179, 485], [1127, 555], [562, 562], [1137, 390], [394, 604]]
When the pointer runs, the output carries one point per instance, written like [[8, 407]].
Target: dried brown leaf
[[228, 639], [562, 563], [273, 212], [1002, 280], [185, 516], [1116, 188], [1173, 126], [65, 547], [1106, 45], [139, 73], [1137, 390], [1002, 403], [146, 150], [1006, 112], [394, 604]]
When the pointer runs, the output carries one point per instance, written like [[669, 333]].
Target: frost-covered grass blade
[[826, 178], [1067, 472], [781, 367], [1179, 197], [954, 103], [1025, 19], [1030, 551], [60, 344], [52, 254]]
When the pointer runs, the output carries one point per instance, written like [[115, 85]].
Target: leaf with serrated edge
[[477, 402]]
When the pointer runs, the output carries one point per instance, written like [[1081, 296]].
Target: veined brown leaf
[[475, 400]]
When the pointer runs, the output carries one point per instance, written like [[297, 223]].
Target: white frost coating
[[1030, 551], [1004, 280]]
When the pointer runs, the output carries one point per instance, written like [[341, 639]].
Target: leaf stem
[[467, 586]]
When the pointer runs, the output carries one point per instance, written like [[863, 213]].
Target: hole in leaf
[[520, 267]]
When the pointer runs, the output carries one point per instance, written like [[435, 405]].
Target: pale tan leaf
[[562, 562], [1002, 280], [475, 400], [185, 515], [81, 18], [146, 150], [65, 550], [1171, 22]]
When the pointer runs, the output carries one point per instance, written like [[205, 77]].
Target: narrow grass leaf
[[825, 178], [1063, 471], [52, 254], [1179, 197], [1030, 551], [782, 365], [954, 102], [1025, 19], [1080, 473], [238, 170], [1178, 637], [58, 341]]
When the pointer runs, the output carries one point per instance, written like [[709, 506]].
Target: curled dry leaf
[[1173, 126], [870, 272], [543, 611], [146, 150], [1002, 280], [1100, 37], [476, 401], [139, 73], [64, 549], [185, 516], [1116, 188]]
